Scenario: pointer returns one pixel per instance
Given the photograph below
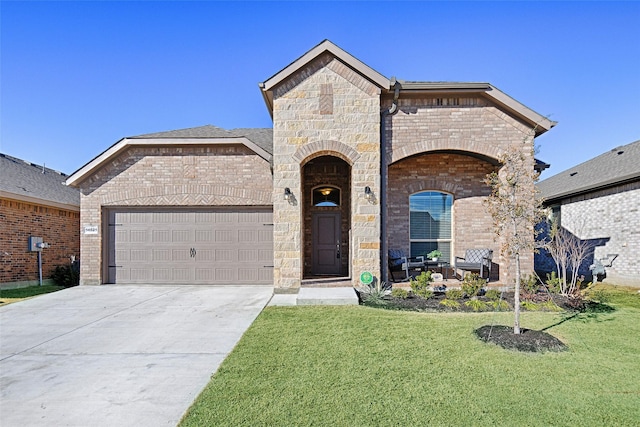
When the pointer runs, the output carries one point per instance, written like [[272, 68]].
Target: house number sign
[[90, 229]]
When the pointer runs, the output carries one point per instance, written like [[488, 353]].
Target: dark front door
[[326, 243]]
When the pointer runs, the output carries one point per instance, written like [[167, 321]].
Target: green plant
[[553, 283], [374, 293], [454, 294], [420, 285], [451, 303], [529, 286], [399, 293], [499, 305], [493, 294], [530, 306], [434, 254], [477, 305], [66, 275], [549, 305], [472, 283]]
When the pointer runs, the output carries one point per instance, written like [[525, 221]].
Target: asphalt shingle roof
[[22, 178], [617, 165], [262, 137]]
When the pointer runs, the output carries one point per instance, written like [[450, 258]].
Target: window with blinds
[[430, 223]]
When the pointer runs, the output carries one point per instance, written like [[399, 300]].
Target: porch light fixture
[[287, 194], [368, 194]]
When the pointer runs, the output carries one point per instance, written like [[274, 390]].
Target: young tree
[[569, 252], [515, 207]]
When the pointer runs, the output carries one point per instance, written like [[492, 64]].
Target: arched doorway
[[326, 201]]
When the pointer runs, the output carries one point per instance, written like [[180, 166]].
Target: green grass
[[360, 366], [29, 292]]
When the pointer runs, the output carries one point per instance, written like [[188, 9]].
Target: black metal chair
[[398, 261]]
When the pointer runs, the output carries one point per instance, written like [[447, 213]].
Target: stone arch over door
[[486, 152], [327, 147]]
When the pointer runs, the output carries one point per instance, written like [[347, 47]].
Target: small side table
[[442, 265]]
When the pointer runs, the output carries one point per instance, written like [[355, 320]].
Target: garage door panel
[[191, 246]]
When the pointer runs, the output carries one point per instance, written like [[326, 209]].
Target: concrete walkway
[[117, 355]]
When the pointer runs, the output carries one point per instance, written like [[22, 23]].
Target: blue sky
[[78, 76]]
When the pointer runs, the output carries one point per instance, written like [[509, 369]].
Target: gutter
[[395, 85]]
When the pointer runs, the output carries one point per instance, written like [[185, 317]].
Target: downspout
[[383, 178]]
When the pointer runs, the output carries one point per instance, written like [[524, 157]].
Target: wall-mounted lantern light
[[288, 195], [368, 194]]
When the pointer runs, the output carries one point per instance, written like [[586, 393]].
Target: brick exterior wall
[[467, 129], [305, 126], [20, 220], [213, 175], [610, 220]]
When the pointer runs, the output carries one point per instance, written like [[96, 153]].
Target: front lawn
[[13, 295], [361, 366]]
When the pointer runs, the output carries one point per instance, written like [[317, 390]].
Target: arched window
[[326, 196], [430, 223]]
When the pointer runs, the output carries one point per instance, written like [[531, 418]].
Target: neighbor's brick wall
[[461, 124], [612, 218], [214, 175], [325, 109], [19, 221]]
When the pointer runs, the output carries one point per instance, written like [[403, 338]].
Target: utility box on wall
[[35, 244]]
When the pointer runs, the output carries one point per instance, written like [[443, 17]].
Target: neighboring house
[[356, 163], [34, 201], [598, 201]]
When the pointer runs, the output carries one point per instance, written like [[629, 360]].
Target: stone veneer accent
[[216, 175], [468, 127], [303, 129]]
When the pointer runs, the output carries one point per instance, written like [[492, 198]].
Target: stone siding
[[20, 220], [215, 175], [349, 130]]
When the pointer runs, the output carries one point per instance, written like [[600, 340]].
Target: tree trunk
[[516, 298]]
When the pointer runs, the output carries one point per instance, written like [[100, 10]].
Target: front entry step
[[317, 296]]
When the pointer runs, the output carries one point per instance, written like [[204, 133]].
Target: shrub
[[472, 284], [549, 305], [399, 293], [529, 287], [499, 305], [530, 306], [454, 294], [451, 303], [420, 286], [374, 293], [66, 275], [493, 294], [477, 305], [553, 282]]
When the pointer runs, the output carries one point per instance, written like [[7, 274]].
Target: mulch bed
[[527, 341]]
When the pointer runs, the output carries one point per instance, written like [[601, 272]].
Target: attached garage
[[221, 246]]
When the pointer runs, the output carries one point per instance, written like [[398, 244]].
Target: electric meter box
[[35, 244]]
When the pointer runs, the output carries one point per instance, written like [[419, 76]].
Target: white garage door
[[180, 246]]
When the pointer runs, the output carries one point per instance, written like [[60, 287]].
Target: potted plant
[[434, 255]]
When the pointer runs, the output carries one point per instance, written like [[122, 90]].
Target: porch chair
[[475, 260], [398, 261]]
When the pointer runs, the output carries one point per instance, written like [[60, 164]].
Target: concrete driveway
[[117, 355]]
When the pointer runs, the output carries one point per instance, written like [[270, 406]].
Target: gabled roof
[[617, 166], [487, 90], [325, 46], [28, 182], [260, 141]]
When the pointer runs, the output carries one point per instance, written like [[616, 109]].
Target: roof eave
[[594, 187], [325, 46], [39, 201], [81, 174], [540, 123]]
